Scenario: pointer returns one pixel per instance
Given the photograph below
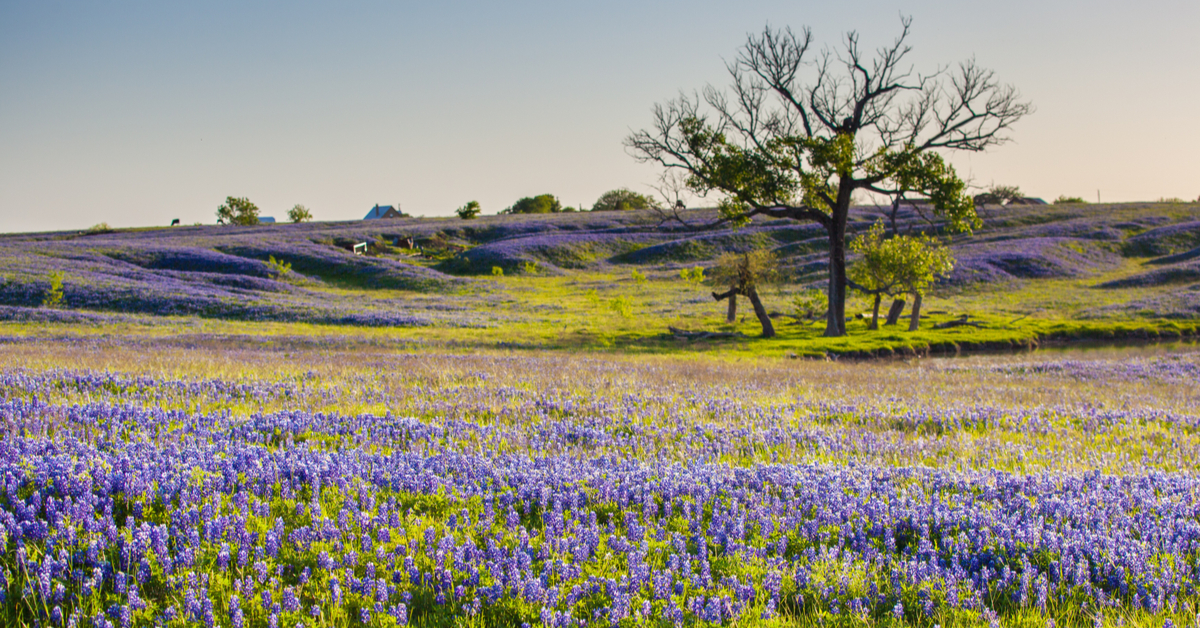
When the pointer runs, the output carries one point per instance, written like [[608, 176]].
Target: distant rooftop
[[384, 211]]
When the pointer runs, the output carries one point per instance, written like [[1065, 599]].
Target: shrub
[[692, 275], [1069, 200], [54, 294], [100, 227], [810, 303], [279, 268], [639, 277], [497, 271], [621, 306]]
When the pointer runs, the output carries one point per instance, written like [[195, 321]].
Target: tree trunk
[[761, 313], [895, 312], [915, 321], [835, 324], [875, 312], [731, 294], [895, 210]]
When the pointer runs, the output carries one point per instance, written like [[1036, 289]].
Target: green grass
[[615, 312]]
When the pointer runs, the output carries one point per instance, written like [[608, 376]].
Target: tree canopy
[[299, 213], [237, 211], [801, 130], [540, 204], [469, 211], [622, 199], [903, 264], [744, 273]]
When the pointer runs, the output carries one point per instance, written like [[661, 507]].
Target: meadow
[[602, 281], [484, 423], [221, 484]]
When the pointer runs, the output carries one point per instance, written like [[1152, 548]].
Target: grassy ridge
[[600, 282]]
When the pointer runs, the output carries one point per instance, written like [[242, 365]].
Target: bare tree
[[801, 130], [672, 188]]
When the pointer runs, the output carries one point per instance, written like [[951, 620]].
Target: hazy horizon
[[135, 114]]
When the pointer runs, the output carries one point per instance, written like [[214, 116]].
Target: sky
[[137, 113]]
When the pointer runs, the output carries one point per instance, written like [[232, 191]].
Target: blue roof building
[[383, 211]]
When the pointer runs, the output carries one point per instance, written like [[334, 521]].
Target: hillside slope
[[1144, 258]]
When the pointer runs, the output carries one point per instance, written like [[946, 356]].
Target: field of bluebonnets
[[145, 484], [253, 426]]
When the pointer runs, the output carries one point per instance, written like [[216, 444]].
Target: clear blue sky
[[134, 113]]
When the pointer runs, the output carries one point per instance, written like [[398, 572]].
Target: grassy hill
[[567, 280]]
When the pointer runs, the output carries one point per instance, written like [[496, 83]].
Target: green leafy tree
[[469, 211], [299, 213], [622, 199], [744, 273], [1069, 200], [800, 135], [540, 204], [237, 211], [875, 270], [902, 264]]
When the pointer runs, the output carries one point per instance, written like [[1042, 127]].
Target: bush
[[1069, 200], [692, 275], [621, 307], [622, 199], [279, 268], [810, 303], [540, 204], [54, 294]]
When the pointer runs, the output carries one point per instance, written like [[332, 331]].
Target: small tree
[[919, 261], [299, 213], [622, 199], [874, 272], [900, 265], [237, 211], [469, 211], [744, 273], [540, 204]]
